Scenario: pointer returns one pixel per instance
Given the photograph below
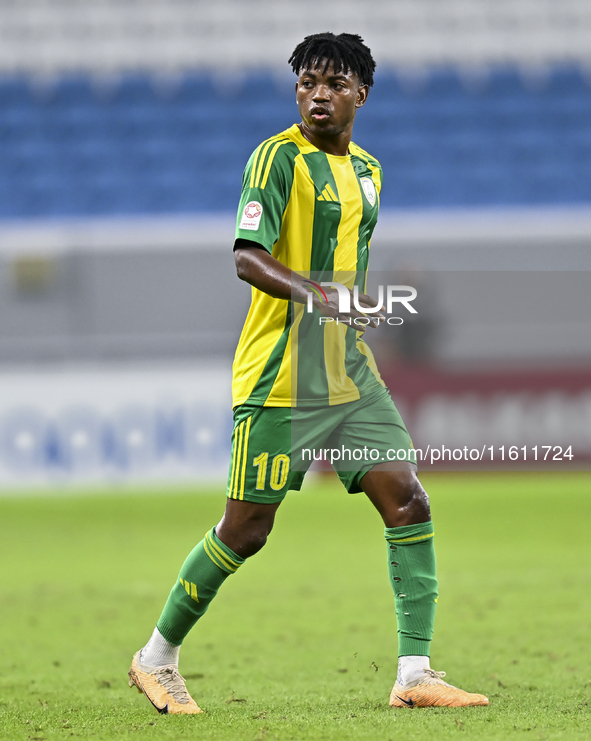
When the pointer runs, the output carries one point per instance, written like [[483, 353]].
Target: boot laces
[[171, 679], [434, 674]]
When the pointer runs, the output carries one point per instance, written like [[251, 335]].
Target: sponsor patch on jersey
[[251, 216], [369, 189]]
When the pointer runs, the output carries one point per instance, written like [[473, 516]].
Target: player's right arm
[[257, 267]]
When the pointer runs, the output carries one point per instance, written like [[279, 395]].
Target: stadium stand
[[72, 148], [134, 107]]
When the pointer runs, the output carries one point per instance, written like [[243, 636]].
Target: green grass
[[301, 642]]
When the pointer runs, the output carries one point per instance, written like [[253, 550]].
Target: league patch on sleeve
[[251, 216]]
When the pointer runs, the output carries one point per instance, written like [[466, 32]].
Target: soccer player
[[303, 380]]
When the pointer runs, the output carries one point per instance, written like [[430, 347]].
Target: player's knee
[[245, 526], [247, 539], [409, 486], [256, 535], [409, 492]]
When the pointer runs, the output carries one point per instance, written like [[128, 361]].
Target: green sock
[[411, 563], [207, 566]]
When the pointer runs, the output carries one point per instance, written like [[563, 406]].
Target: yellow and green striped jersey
[[315, 213]]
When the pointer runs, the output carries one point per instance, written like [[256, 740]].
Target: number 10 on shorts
[[279, 470]]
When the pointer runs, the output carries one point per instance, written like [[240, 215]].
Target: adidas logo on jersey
[[327, 194]]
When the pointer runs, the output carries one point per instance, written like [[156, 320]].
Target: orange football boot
[[163, 686], [429, 690]]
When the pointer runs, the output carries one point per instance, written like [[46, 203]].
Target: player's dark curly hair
[[346, 51]]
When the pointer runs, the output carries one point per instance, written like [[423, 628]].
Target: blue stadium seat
[[74, 91], [15, 92], [196, 89], [505, 82], [564, 81]]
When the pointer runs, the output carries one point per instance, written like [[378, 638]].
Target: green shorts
[[273, 447]]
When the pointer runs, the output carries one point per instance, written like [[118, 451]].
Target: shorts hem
[[262, 499]]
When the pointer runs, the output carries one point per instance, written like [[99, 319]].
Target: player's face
[[328, 101]]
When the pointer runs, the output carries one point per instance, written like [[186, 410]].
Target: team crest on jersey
[[369, 189], [251, 216]]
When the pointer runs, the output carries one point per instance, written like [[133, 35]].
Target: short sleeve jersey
[[315, 213]]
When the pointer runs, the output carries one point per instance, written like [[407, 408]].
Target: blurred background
[[124, 130]]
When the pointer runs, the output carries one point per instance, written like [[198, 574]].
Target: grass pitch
[[301, 642]]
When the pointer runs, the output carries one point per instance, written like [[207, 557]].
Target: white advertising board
[[114, 424]]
